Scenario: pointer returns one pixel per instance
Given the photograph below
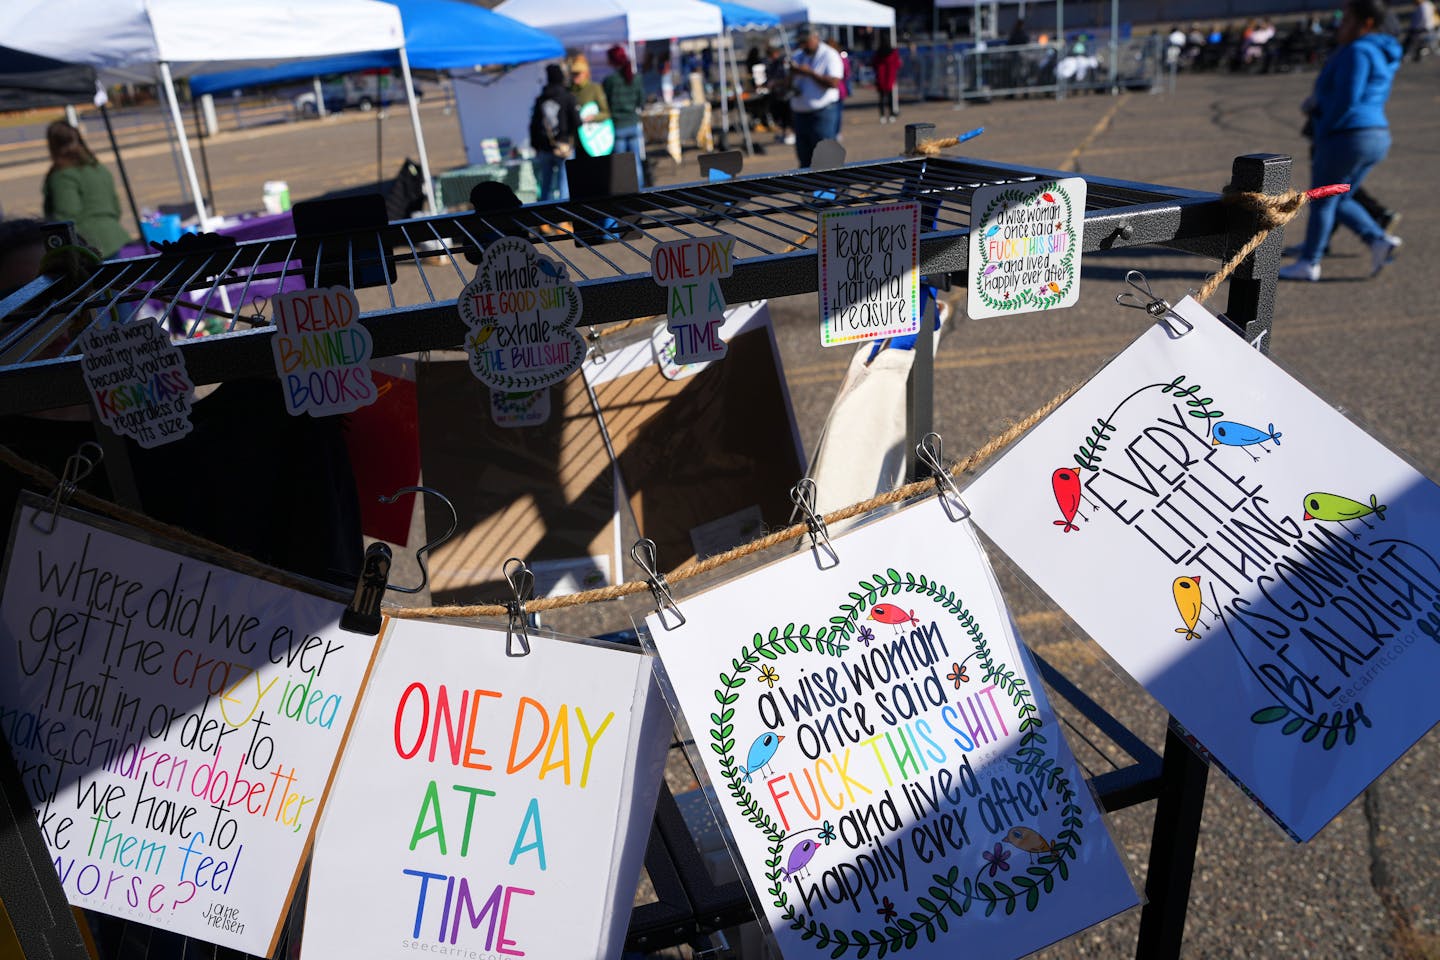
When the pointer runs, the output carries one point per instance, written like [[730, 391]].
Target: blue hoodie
[[1351, 91]]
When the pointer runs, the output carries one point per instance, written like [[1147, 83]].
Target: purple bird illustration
[[800, 858], [991, 269]]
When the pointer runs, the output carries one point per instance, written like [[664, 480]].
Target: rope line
[[1273, 211]]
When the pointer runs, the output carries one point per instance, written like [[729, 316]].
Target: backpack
[[545, 124]]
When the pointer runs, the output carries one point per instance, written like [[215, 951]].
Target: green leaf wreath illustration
[[950, 895]]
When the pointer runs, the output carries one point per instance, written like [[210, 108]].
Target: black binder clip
[[1158, 307], [802, 495], [430, 545], [522, 589], [363, 613], [78, 466], [931, 452], [643, 553]]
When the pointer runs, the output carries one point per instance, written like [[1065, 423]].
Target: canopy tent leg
[[419, 136], [167, 80], [120, 165], [204, 157], [740, 103], [724, 96]]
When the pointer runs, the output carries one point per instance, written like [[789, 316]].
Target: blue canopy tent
[[439, 35], [739, 17]]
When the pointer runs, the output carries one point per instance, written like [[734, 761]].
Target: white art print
[[1261, 565], [889, 769], [869, 273], [322, 352], [138, 381], [521, 309], [1025, 241], [491, 805], [177, 725], [690, 270]]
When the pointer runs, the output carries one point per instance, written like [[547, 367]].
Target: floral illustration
[[769, 676], [998, 859]]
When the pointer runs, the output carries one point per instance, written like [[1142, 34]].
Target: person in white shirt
[[816, 72]]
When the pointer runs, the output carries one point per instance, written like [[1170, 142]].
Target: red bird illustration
[[893, 615], [1066, 484], [1048, 198]]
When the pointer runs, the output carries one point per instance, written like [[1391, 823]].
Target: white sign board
[[138, 381], [504, 802], [1025, 244], [884, 757], [1264, 567], [177, 725], [322, 352], [869, 273]]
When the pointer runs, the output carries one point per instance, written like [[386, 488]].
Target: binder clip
[[643, 553], [431, 545], [363, 613], [931, 452], [802, 495], [597, 349], [1158, 307], [522, 589], [78, 466]]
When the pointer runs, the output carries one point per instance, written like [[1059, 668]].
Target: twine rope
[[1273, 211]]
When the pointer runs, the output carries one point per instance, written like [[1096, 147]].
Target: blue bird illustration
[[800, 857], [1231, 434], [550, 269], [993, 230], [762, 751]]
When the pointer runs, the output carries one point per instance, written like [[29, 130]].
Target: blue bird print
[[762, 751], [551, 269], [1231, 434], [993, 230], [800, 857]]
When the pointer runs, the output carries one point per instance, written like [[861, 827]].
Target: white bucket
[[276, 196]]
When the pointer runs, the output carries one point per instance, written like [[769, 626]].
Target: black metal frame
[[611, 236]]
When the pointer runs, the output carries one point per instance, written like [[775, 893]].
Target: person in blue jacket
[[1347, 110]]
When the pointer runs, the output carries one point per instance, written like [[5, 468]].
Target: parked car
[[362, 91]]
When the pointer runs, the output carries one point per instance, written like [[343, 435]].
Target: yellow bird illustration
[[1028, 840], [1187, 601], [1054, 287]]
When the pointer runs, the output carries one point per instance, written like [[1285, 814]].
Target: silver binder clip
[[597, 349], [1158, 307], [931, 452], [643, 553], [78, 466], [803, 496], [431, 545], [522, 589]]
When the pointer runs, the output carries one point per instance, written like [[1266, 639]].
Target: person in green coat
[[79, 188], [626, 93]]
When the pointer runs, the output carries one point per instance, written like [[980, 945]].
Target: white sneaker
[[789, 139], [1301, 270], [1382, 251]]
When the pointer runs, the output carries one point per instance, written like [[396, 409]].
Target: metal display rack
[[605, 244]]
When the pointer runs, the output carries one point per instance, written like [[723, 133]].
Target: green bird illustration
[[1332, 506]]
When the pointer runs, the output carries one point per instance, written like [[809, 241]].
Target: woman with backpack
[[554, 122]]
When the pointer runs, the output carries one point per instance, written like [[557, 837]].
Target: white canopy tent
[[157, 40], [579, 23], [854, 13]]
